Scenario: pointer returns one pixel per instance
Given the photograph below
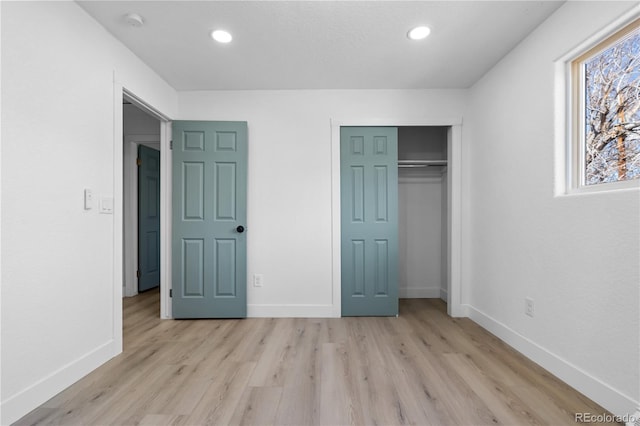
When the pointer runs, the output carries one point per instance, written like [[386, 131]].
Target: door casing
[[119, 93], [455, 307]]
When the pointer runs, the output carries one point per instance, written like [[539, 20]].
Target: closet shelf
[[421, 163]]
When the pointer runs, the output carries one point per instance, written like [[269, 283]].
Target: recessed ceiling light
[[418, 33], [134, 19], [221, 36]]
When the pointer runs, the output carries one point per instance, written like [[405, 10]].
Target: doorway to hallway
[[141, 204]]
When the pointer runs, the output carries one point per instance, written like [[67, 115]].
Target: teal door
[[369, 220], [148, 218], [209, 277]]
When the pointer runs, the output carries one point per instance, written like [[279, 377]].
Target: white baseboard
[[444, 294], [600, 392], [419, 292], [129, 292], [20, 404], [290, 311]]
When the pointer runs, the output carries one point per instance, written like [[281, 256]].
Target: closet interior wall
[[422, 220]]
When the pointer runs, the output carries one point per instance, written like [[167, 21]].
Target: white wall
[[576, 256], [138, 122], [60, 314], [289, 188], [420, 235]]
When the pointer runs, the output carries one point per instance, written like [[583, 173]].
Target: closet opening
[[423, 212]]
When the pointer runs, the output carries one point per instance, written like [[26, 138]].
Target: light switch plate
[[106, 205]]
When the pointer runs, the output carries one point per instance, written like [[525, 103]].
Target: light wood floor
[[422, 368]]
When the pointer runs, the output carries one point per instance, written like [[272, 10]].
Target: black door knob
[[240, 229]]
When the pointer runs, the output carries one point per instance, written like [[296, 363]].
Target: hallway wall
[[60, 297]]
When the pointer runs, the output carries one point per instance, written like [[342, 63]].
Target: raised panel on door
[[209, 276], [192, 265], [148, 218], [192, 202], [369, 220], [224, 265], [225, 197]]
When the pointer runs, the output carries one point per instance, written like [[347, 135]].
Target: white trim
[[625, 185], [419, 292], [336, 273], [1, 418], [165, 219], [118, 196], [38, 393], [396, 121], [141, 104], [563, 149], [444, 295], [569, 373], [454, 159], [289, 311], [454, 224]]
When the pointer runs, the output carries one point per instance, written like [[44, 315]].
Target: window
[[606, 110]]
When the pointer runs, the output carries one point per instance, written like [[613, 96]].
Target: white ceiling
[[321, 44]]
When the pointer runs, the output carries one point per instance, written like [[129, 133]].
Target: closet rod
[[421, 163]]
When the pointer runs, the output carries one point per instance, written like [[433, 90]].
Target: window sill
[[605, 188]]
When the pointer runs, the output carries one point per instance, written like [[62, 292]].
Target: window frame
[[576, 161]]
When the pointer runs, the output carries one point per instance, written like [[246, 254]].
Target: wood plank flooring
[[422, 368]]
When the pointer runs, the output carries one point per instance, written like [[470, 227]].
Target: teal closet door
[[148, 218], [369, 220], [209, 246]]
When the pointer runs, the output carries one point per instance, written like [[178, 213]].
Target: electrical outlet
[[257, 280], [528, 306]]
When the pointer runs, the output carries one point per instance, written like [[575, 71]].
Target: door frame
[[455, 307], [165, 199], [120, 92]]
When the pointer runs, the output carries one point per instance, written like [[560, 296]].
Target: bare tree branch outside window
[[612, 112]]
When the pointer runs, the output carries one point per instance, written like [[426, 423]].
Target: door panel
[[148, 218], [369, 220], [209, 203], [193, 190], [225, 191], [193, 267]]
